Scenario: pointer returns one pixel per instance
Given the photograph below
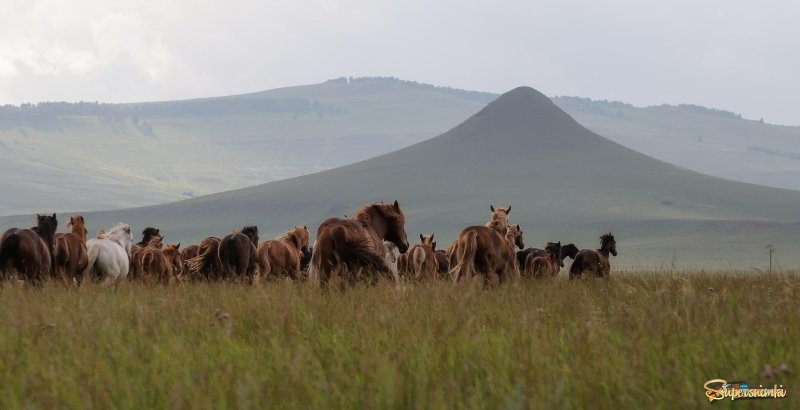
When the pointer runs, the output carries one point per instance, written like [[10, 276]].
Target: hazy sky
[[739, 55]]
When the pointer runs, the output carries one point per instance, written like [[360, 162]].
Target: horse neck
[[80, 232], [604, 251], [377, 223], [46, 236]]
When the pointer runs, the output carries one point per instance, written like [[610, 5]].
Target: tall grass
[[635, 341]]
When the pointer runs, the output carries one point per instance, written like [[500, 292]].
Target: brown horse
[[544, 265], [28, 251], [237, 253], [69, 252], [569, 250], [137, 251], [281, 257], [419, 263], [484, 251], [443, 265], [354, 246], [187, 253], [160, 264], [597, 262], [206, 264], [498, 222]]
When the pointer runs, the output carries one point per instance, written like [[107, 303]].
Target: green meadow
[[638, 340]]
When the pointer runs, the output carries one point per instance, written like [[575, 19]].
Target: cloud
[[734, 55]]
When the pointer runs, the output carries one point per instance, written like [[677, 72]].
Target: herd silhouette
[[371, 245]]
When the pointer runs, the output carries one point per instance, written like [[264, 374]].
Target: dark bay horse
[[443, 265], [70, 257], [595, 261], [237, 253], [29, 251], [484, 251], [137, 251], [569, 250], [353, 247], [419, 263], [281, 257], [206, 264], [544, 265]]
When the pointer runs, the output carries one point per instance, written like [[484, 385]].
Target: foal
[[281, 257], [597, 262], [419, 262]]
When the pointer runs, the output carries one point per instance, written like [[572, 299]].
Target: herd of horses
[[367, 247]]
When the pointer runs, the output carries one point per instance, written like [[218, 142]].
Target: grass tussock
[[634, 341]]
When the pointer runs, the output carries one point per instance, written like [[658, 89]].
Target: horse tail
[[61, 251], [91, 252], [202, 262], [357, 253], [577, 267], [465, 257], [227, 257], [418, 259], [8, 249], [147, 263], [264, 264]]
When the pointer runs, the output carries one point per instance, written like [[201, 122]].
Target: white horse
[[109, 254]]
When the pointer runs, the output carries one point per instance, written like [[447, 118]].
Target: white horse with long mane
[[109, 254]]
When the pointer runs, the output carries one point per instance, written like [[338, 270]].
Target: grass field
[[638, 340]]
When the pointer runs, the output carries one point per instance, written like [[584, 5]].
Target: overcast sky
[[738, 55]]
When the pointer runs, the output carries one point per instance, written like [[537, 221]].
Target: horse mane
[[387, 210], [605, 239], [148, 234], [295, 235]]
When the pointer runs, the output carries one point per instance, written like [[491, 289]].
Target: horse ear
[[508, 210], [54, 215], [396, 205], [432, 235], [178, 246], [491, 208], [421, 237], [518, 228]]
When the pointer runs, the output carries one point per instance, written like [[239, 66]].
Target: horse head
[[428, 240], [568, 250], [608, 244], [554, 249], [395, 224], [251, 232], [514, 235], [46, 225]]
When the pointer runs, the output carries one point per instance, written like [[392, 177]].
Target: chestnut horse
[[237, 253], [498, 222], [281, 257], [597, 262], [161, 263], [187, 253], [484, 251], [28, 251], [69, 252], [137, 251], [206, 264], [544, 265], [419, 263], [353, 247]]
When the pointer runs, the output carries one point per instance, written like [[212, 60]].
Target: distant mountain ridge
[[68, 155], [564, 182]]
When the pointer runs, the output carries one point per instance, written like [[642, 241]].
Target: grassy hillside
[[92, 156], [99, 156], [709, 141], [635, 341], [563, 181]]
